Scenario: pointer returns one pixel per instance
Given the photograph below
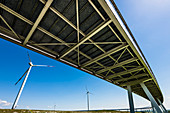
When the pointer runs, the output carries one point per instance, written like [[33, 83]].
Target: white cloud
[[4, 103]]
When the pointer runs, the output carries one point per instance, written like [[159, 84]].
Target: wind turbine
[[87, 92], [25, 79]]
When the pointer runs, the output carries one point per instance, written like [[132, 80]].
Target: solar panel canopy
[[90, 35]]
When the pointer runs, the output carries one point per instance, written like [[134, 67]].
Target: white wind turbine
[[25, 79], [88, 101]]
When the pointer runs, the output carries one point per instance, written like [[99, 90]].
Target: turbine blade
[[29, 56], [22, 76], [87, 89], [43, 65], [90, 93]]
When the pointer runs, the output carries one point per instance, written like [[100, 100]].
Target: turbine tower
[[88, 102], [25, 79]]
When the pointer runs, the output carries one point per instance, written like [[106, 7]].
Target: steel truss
[[134, 67]]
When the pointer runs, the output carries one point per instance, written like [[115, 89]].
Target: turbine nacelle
[[30, 63]]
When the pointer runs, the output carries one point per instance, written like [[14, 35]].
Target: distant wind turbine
[[87, 92], [25, 79]]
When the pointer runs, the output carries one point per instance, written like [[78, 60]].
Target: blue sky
[[64, 86]]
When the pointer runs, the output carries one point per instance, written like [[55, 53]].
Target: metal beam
[[11, 37], [63, 43], [44, 10], [88, 36], [120, 56], [125, 72], [97, 10], [29, 22], [40, 28], [78, 30], [130, 99], [151, 98], [20, 2], [153, 109], [136, 82], [16, 14], [9, 27], [114, 50], [132, 77], [113, 14], [60, 15], [163, 107], [82, 44], [73, 26], [118, 65]]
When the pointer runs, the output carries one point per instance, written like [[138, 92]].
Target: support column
[[130, 99], [162, 106], [153, 110], [149, 95]]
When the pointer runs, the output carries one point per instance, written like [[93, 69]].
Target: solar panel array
[[80, 33]]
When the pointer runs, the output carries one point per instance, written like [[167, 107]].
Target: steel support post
[[153, 109], [162, 106], [162, 109], [130, 99], [149, 95]]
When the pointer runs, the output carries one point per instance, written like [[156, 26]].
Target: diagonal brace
[[125, 72], [88, 36], [132, 77], [9, 27], [118, 65], [44, 10], [135, 82], [116, 49]]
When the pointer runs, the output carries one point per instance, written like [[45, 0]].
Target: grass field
[[48, 111]]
